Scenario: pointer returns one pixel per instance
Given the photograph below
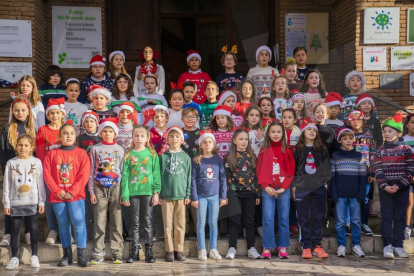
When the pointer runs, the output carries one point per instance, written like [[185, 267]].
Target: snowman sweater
[[208, 178], [280, 171], [313, 170]]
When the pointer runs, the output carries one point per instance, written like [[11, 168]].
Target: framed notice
[[402, 58], [410, 26], [374, 58], [381, 25], [15, 38], [11, 72], [76, 35]]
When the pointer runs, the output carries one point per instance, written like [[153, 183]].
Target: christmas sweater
[[237, 120], [87, 140], [302, 122], [74, 112], [200, 79], [255, 142], [175, 118], [23, 183], [7, 149], [190, 145], [48, 91], [350, 100], [67, 168], [313, 170], [47, 139], [373, 126], [103, 114], [106, 163], [302, 73], [243, 177], [312, 99], [87, 83], [268, 121], [158, 139], [124, 137], [230, 82], [328, 137], [175, 168], [139, 87], [141, 174], [348, 175], [409, 140], [208, 178], [292, 136], [280, 105], [262, 79], [115, 103], [278, 173], [365, 144], [242, 107], [193, 105], [144, 97], [207, 110], [223, 142], [294, 86], [394, 165]]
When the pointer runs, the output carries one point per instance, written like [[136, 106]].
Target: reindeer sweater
[[23, 183], [66, 168], [106, 162]]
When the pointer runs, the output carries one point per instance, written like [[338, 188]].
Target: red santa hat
[[297, 96], [58, 104], [131, 108], [223, 110], [96, 90], [309, 125], [98, 59], [111, 55], [204, 135], [356, 115], [261, 48], [223, 97], [343, 130], [193, 53], [362, 98], [178, 129], [334, 98], [111, 122], [90, 114]]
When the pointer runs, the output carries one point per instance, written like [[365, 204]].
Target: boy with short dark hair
[[189, 90]]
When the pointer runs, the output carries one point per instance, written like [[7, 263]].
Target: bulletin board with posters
[[310, 30]]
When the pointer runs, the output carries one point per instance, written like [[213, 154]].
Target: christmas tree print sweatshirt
[[141, 174]]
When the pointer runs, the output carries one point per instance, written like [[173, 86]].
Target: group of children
[[256, 149]]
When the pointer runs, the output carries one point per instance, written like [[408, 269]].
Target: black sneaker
[[348, 230], [366, 230]]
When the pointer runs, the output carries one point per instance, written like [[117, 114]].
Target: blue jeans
[[342, 207], [212, 204], [364, 207], [50, 215], [67, 212], [269, 205]]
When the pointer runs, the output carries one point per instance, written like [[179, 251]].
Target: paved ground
[[372, 265]]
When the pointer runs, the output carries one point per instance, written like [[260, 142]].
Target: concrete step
[[53, 253]]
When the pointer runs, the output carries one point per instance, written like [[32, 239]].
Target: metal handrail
[[390, 104], [9, 101]]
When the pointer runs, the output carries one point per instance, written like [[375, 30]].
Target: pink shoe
[[282, 252], [266, 254]]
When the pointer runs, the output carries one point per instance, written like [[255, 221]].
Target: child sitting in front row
[[54, 85]]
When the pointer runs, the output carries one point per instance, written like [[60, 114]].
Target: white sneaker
[[253, 254], [27, 238], [231, 253], [400, 252], [202, 255], [388, 252], [51, 237], [214, 254], [407, 232], [357, 251], [341, 251], [13, 263], [260, 231], [34, 262], [5, 242]]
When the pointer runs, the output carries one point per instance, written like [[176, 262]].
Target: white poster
[[412, 84], [296, 21], [76, 35], [402, 58], [15, 38], [294, 38], [374, 58], [381, 25], [11, 72]]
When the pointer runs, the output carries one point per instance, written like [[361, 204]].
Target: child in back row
[[301, 56], [230, 79], [291, 69], [189, 90], [73, 108], [54, 85], [313, 89], [209, 105]]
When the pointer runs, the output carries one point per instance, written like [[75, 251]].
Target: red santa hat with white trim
[[90, 114], [111, 122], [131, 108], [193, 53], [334, 98], [309, 125], [362, 98], [96, 90], [56, 104], [343, 130], [223, 97], [204, 135], [223, 110], [97, 60]]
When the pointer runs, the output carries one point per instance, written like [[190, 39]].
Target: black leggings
[[16, 225]]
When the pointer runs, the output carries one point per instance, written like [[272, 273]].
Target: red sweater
[[241, 107], [280, 172], [158, 141], [46, 140], [67, 170], [199, 79]]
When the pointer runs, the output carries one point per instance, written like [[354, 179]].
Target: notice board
[[310, 30]]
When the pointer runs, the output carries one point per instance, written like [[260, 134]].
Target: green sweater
[[175, 175], [141, 175]]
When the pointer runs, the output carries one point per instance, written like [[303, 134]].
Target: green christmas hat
[[395, 122]]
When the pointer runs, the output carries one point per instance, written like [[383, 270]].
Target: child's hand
[[194, 204], [160, 202], [257, 201], [293, 193], [7, 211], [126, 203], [187, 201], [259, 133], [223, 202], [68, 196], [93, 199], [41, 209], [155, 199], [390, 190], [278, 192], [395, 187], [62, 195], [270, 191]]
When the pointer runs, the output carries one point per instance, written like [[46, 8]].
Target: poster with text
[[76, 35], [15, 38], [374, 58], [410, 26], [11, 72], [296, 21], [402, 58], [381, 25], [294, 38]]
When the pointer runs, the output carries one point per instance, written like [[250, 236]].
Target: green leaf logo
[[62, 58]]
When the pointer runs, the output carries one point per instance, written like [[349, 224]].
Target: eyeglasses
[[123, 82], [190, 117]]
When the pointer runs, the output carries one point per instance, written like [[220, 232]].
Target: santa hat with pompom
[[97, 60], [223, 110], [343, 130], [193, 53], [309, 125], [223, 97], [362, 98], [334, 98], [131, 108], [96, 90], [111, 122], [58, 104]]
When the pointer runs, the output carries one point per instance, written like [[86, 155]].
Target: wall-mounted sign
[[381, 25], [412, 84], [76, 35], [402, 58], [15, 38], [410, 26], [391, 81], [11, 72], [374, 58]]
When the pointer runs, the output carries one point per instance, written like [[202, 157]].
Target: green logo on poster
[[382, 19], [62, 57]]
